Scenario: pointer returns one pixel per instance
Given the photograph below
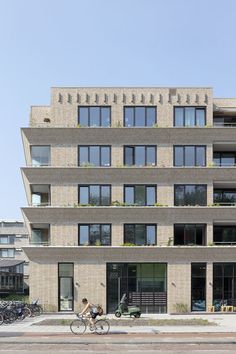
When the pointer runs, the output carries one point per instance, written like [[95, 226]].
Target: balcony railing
[[217, 203], [217, 124], [43, 243], [225, 243]]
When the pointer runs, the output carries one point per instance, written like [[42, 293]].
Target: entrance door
[[143, 283], [66, 287]]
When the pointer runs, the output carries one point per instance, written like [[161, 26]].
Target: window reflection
[[189, 116], [140, 155], [139, 116], [94, 116], [190, 195]]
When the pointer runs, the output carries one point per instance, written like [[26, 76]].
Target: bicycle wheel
[[8, 317], [78, 326], [26, 312], [102, 326]]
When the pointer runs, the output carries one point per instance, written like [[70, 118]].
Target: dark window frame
[[129, 224], [134, 154], [58, 286], [100, 189], [100, 226], [138, 185], [184, 185], [195, 115], [184, 157], [134, 108], [204, 264], [194, 224], [100, 116], [100, 156]]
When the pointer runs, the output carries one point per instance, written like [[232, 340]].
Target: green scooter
[[122, 309]]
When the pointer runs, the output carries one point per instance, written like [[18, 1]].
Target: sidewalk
[[225, 324]]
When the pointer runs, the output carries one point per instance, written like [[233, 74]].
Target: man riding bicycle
[[90, 310]]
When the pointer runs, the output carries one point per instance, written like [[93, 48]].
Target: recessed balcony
[[40, 195], [224, 234], [224, 154], [40, 235], [225, 117], [224, 194]]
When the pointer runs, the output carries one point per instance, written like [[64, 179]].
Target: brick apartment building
[[14, 265], [132, 190]]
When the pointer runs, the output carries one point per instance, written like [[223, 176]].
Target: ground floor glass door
[[66, 286], [143, 283]]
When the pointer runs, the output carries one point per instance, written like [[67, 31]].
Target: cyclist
[[90, 311]]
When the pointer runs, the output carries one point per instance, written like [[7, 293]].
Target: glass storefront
[[224, 285], [66, 286], [145, 285]]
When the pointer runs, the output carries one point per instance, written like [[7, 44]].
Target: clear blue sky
[[48, 43]]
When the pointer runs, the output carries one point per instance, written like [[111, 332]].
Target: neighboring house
[[132, 190], [14, 265]]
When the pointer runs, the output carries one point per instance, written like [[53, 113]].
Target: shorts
[[94, 314]]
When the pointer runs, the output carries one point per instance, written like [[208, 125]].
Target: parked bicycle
[[79, 326]]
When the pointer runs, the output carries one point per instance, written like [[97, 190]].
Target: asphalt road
[[123, 343]]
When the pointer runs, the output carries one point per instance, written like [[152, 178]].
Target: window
[[140, 234], [7, 239], [190, 194], [189, 234], [95, 234], [40, 155], [190, 155], [140, 194], [95, 194], [224, 158], [140, 155], [189, 116], [94, 116], [139, 116], [7, 252], [224, 234], [94, 155]]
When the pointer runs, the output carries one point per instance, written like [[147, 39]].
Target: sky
[[45, 43]]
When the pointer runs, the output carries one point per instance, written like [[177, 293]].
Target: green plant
[[208, 126], [181, 308], [212, 164], [86, 164], [210, 244], [169, 243], [155, 125], [118, 124], [97, 243], [158, 205], [79, 125], [116, 203], [128, 244]]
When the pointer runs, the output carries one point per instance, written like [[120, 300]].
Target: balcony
[[224, 154], [40, 235], [224, 117], [224, 234], [40, 195], [225, 194]]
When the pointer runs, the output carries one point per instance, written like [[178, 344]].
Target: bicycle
[[80, 325]]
